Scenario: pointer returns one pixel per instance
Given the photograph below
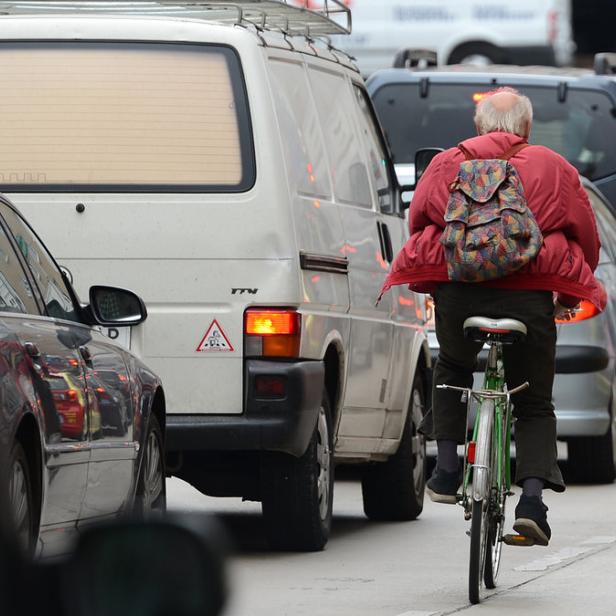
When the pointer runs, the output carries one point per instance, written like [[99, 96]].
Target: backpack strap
[[510, 153]]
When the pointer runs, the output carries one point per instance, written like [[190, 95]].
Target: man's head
[[504, 110]]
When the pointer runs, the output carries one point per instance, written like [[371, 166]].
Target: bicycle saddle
[[484, 329]]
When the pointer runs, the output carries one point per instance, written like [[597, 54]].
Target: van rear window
[[123, 117], [582, 128]]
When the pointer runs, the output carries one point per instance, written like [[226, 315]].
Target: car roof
[[545, 76]]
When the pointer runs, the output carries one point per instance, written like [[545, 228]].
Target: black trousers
[[531, 360]]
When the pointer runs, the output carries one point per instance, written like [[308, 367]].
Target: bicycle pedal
[[518, 540]]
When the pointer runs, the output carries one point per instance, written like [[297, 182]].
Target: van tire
[[593, 459], [394, 490], [295, 513], [491, 53]]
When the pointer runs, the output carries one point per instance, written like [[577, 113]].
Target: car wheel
[[21, 499], [297, 493], [151, 494], [479, 54], [394, 490], [593, 459]]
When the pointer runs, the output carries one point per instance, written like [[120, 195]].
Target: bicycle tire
[[496, 519], [477, 551], [481, 492]]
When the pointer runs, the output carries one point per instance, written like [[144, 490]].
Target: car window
[[582, 128], [299, 125], [47, 277], [16, 294], [348, 169], [607, 228], [377, 156], [79, 115]]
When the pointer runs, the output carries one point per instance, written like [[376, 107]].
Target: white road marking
[[602, 540], [542, 564], [416, 613]]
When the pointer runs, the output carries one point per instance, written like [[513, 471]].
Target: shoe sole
[[445, 499], [529, 528]]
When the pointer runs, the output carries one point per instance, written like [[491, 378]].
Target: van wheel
[[593, 459], [297, 493], [394, 490], [21, 499], [151, 495], [480, 54]]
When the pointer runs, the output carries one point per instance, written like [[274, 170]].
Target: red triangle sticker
[[215, 340]]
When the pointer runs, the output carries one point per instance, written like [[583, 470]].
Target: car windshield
[[582, 128]]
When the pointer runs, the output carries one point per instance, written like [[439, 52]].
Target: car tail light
[[586, 310], [430, 321], [272, 333], [270, 386], [479, 96], [553, 19]]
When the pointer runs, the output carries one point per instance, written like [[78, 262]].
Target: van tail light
[[586, 310], [553, 19], [272, 333]]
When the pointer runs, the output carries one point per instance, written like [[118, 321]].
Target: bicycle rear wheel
[[481, 496], [494, 547], [479, 543]]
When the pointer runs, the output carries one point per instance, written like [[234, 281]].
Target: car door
[[363, 413], [92, 371], [49, 334], [406, 308]]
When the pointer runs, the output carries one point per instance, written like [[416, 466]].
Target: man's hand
[[564, 313]]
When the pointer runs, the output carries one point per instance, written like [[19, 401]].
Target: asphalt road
[[419, 568]]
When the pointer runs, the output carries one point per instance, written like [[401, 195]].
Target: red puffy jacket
[[570, 251]]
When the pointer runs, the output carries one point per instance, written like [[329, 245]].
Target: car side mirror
[[423, 157], [112, 306], [158, 567]]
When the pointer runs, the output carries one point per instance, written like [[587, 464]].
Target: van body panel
[[199, 258]]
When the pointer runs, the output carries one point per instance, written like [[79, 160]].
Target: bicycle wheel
[[479, 541], [495, 521], [498, 498], [481, 494]]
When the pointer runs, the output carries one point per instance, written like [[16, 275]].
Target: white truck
[[473, 31]]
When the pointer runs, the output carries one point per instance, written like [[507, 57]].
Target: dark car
[[574, 113], [81, 419]]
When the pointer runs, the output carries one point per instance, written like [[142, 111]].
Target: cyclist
[[551, 285]]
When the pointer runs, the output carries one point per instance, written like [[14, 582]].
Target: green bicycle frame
[[494, 380]]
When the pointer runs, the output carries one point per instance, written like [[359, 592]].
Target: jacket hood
[[491, 145]]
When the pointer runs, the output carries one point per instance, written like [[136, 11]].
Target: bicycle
[[487, 465]]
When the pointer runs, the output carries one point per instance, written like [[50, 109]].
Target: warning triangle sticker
[[215, 340]]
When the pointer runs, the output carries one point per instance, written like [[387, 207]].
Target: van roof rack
[[293, 17]]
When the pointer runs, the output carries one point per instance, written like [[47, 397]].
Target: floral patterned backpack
[[490, 232]]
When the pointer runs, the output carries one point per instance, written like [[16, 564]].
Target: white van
[[237, 179], [473, 31]]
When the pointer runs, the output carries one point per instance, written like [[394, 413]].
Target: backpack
[[489, 230]]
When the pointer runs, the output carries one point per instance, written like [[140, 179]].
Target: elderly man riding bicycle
[[502, 229]]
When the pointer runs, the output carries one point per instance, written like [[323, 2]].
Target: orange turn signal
[[271, 323], [272, 333], [586, 310]]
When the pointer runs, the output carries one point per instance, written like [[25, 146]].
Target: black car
[[574, 112], [81, 419]]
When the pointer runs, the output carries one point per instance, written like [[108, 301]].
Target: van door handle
[[388, 246], [85, 353], [381, 241], [32, 350]]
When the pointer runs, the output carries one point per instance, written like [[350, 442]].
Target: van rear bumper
[[267, 424]]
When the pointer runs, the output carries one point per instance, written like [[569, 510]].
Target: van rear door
[[135, 161]]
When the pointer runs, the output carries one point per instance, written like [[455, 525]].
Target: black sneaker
[[442, 487], [531, 520]]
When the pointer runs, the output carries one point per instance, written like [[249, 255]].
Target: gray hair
[[516, 120]]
